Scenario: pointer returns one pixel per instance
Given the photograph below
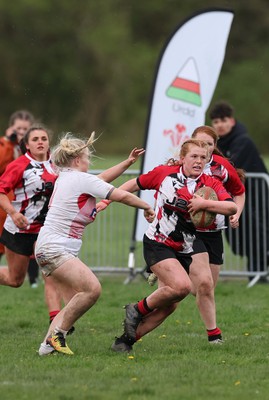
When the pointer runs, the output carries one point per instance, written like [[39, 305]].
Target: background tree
[[90, 65]]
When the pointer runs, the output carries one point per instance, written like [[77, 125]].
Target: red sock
[[143, 307], [52, 314], [214, 332], [137, 337]]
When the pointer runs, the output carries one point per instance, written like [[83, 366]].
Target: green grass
[[173, 362]]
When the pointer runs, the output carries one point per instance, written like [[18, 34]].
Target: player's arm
[[19, 219], [130, 186], [149, 180], [240, 202], [225, 207], [122, 196], [114, 172]]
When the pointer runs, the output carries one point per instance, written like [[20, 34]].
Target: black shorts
[[20, 243], [155, 252], [213, 243]]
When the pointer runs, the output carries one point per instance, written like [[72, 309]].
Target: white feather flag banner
[[186, 77]]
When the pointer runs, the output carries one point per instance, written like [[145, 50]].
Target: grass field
[[173, 362]]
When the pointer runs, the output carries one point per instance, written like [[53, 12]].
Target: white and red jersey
[[220, 168], [172, 224], [73, 203], [32, 182]]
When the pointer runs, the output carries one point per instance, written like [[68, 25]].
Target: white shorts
[[52, 250]]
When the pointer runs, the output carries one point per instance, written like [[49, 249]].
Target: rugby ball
[[203, 218]]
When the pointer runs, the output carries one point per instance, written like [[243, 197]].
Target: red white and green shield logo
[[186, 85]]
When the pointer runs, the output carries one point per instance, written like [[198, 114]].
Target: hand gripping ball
[[203, 218]]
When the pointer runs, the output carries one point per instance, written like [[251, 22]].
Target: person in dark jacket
[[252, 238]]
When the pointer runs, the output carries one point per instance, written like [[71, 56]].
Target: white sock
[[57, 329]]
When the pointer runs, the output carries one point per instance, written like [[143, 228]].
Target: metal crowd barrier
[[247, 248]]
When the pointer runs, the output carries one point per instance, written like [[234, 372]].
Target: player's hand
[[102, 205], [149, 214], [9, 131], [196, 204], [234, 221], [135, 154], [19, 220], [173, 162]]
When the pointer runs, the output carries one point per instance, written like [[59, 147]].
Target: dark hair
[[25, 139], [21, 114], [221, 110]]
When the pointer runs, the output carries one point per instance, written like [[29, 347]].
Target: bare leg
[[201, 277], [215, 270], [80, 289], [14, 274], [174, 284], [154, 319], [52, 294]]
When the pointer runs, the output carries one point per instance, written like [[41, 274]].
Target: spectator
[[238, 147]]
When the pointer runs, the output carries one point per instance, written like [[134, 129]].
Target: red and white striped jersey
[[172, 224], [220, 168], [32, 182]]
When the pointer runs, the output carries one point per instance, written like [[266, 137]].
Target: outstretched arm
[[114, 172], [130, 186], [130, 199]]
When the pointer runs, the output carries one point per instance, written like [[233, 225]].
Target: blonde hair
[[185, 148], [71, 147]]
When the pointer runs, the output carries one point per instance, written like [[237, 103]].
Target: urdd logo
[[186, 85]]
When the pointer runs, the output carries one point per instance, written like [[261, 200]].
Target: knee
[[185, 290], [95, 291], [181, 291], [205, 287], [16, 283]]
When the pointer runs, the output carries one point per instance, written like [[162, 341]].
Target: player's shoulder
[[164, 170], [222, 161], [207, 180], [20, 162]]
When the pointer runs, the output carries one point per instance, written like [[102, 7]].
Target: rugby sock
[[214, 334], [143, 307], [52, 315], [137, 337], [57, 330]]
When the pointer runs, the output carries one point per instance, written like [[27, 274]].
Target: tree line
[[82, 66]]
